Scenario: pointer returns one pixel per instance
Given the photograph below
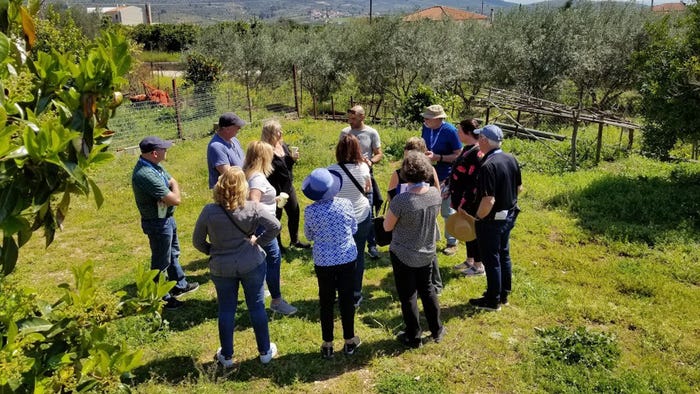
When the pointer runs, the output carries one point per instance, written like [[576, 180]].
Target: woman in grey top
[[236, 258], [412, 216]]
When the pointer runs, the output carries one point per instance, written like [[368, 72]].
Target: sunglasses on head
[[352, 112]]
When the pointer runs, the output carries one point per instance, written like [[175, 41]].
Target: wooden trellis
[[505, 101]]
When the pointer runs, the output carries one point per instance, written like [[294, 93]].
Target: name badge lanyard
[[434, 137]]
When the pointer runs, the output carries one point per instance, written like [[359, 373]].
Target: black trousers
[[292, 209], [410, 283], [330, 279]]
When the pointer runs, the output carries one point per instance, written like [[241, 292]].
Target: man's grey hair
[[494, 144]]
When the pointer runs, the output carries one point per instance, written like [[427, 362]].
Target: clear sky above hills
[[646, 2]]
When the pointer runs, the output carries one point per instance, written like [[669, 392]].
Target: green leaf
[[8, 254], [99, 198], [4, 47], [34, 324]]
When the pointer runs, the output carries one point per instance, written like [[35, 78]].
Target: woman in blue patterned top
[[330, 223]]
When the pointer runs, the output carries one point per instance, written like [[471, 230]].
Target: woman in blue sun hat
[[330, 223]]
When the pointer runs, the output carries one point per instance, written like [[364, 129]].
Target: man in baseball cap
[[498, 184], [157, 194], [224, 149]]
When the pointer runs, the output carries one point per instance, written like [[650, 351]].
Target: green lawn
[[612, 249]]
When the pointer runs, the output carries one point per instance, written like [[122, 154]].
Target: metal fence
[[192, 113]]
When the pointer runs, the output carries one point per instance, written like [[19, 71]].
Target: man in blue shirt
[[443, 148], [224, 149]]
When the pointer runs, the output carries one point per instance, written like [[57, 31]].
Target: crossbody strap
[[352, 178], [228, 214]]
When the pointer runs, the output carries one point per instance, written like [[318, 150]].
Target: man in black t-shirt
[[498, 184]]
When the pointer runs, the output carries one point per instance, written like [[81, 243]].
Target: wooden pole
[[176, 99], [517, 126], [488, 112], [250, 103], [332, 108], [296, 97], [600, 142], [630, 140], [574, 135]]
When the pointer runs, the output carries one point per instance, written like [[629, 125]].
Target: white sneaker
[[462, 266], [225, 362], [265, 358]]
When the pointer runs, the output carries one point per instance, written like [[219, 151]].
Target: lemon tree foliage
[[53, 117]]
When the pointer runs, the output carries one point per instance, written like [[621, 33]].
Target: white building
[[123, 15]]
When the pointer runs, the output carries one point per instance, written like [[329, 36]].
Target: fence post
[[600, 142], [176, 98], [296, 97], [332, 108]]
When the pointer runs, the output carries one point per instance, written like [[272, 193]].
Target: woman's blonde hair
[[415, 143], [269, 132], [258, 158], [231, 189]]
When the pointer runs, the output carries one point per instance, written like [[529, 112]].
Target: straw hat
[[461, 226]]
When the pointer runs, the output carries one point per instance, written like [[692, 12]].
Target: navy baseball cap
[[230, 119], [151, 143]]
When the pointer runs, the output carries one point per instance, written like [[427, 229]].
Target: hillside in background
[[181, 11]]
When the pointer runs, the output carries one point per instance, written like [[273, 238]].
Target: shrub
[[64, 346]]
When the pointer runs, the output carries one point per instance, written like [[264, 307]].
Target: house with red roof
[[440, 12]]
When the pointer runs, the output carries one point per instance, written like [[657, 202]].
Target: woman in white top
[[257, 165], [357, 182]]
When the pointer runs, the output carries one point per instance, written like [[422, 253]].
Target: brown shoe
[[450, 250]]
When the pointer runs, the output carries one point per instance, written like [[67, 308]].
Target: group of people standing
[[448, 169]]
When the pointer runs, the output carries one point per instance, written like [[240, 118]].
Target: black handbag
[[381, 236]]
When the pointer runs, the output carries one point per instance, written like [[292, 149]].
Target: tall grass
[[605, 268]]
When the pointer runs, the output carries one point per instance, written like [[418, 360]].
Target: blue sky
[[647, 2]]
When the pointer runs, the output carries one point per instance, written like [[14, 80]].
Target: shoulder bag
[[381, 236]]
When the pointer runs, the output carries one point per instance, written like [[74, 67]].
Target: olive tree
[[669, 70]]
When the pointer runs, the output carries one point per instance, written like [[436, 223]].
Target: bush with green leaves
[[63, 346]]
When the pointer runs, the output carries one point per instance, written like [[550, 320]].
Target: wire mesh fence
[[192, 113]]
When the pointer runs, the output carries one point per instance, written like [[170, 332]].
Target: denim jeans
[[446, 211], [227, 296], [410, 283], [493, 237], [273, 262], [165, 249], [360, 238], [330, 279]]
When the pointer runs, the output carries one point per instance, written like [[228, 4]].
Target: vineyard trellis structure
[[505, 101]]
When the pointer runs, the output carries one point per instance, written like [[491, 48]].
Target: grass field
[[606, 287]]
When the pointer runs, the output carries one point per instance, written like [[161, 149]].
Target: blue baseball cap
[[492, 132]]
